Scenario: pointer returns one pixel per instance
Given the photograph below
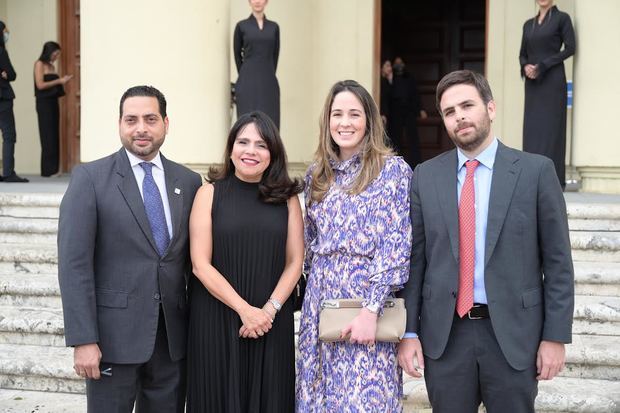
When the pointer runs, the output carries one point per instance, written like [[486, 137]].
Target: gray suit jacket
[[528, 266], [112, 279]]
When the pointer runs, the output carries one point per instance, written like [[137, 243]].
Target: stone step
[[597, 278], [40, 368], [597, 315], [18, 252], [595, 246], [593, 357], [593, 216], [30, 290], [22, 401], [24, 205], [562, 394], [31, 326], [28, 231]]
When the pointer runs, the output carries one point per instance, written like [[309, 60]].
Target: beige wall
[[31, 24], [180, 50], [316, 50]]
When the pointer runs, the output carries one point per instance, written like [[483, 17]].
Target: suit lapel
[[175, 199], [506, 172], [445, 185], [129, 189]]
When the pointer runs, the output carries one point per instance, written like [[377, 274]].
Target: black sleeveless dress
[[227, 373], [48, 114]]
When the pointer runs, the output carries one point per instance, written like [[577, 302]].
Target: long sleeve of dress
[[389, 269], [568, 38], [238, 47], [523, 59], [309, 227], [276, 48]]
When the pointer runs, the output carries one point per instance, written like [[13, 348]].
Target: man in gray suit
[[124, 264], [490, 296]]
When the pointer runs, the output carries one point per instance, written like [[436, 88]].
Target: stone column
[[596, 135]]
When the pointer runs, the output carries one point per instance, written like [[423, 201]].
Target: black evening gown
[[48, 114], [227, 373], [544, 120], [256, 56]]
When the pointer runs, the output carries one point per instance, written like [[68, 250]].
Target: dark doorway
[[69, 35], [434, 38]]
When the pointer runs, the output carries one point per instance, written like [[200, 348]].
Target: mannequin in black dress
[[246, 241], [542, 66], [256, 46], [48, 87]]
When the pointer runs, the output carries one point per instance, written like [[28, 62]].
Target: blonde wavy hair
[[372, 154]]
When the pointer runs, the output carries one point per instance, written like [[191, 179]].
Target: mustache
[[464, 125]]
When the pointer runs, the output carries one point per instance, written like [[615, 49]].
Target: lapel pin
[[177, 191]]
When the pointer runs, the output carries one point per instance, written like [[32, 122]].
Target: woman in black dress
[[246, 238], [48, 87], [542, 66], [256, 46]]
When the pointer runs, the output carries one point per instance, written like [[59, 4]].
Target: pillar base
[[600, 179]]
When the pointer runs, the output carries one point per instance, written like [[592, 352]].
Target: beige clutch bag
[[336, 314]]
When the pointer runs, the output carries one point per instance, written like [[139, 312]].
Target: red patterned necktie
[[467, 241]]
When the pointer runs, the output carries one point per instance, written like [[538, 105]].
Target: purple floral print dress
[[357, 246]]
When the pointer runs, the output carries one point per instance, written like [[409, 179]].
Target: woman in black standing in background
[[542, 66], [48, 87], [256, 46], [7, 119]]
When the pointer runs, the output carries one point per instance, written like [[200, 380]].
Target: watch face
[[275, 304]]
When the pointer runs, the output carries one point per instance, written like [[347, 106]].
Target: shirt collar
[[134, 160], [349, 164], [486, 157]]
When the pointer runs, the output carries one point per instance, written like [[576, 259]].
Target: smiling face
[[347, 124], [250, 154], [141, 127], [466, 117]]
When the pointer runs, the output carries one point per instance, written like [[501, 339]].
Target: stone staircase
[[36, 369]]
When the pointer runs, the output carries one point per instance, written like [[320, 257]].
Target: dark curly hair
[[276, 186]]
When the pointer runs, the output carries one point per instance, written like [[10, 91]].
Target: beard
[[473, 141]]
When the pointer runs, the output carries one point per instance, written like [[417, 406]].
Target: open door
[[69, 38]]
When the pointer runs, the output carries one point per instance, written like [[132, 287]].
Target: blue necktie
[[154, 208]]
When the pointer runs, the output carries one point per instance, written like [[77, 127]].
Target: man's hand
[[550, 359], [410, 349], [363, 328], [86, 360]]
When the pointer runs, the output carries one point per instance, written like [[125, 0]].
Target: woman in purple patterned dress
[[358, 241]]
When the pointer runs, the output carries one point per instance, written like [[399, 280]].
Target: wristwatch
[[275, 303]]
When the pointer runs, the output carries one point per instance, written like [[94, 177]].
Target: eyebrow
[[458, 104]]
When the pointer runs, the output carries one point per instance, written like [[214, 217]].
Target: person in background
[[246, 240], [542, 66], [48, 87], [256, 47], [358, 241], [404, 109], [7, 118]]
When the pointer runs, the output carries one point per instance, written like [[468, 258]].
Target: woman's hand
[[65, 79], [363, 328], [531, 71], [256, 322]]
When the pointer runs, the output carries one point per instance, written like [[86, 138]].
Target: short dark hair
[[275, 185], [48, 49], [464, 77], [148, 91]]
